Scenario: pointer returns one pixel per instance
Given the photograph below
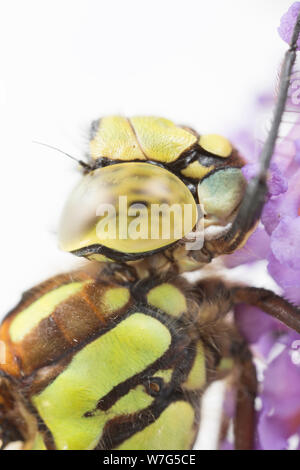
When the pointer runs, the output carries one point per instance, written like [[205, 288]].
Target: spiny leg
[[246, 391], [280, 309], [220, 299], [242, 383], [253, 202], [217, 293], [216, 302], [270, 303], [8, 433], [8, 430]]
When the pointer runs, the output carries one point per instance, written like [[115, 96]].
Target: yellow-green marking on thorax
[[167, 298], [114, 298], [42, 308], [135, 400], [173, 430], [165, 374], [94, 371], [197, 376]]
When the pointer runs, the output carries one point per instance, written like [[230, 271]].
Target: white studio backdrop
[[66, 62]]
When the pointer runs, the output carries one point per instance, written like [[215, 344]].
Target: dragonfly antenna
[[82, 163]]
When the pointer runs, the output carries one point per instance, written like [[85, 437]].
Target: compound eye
[[216, 145], [220, 193], [127, 208]]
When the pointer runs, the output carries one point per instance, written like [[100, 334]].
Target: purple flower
[[287, 23], [276, 240], [254, 324], [256, 249], [297, 147], [279, 241], [286, 277], [280, 416], [286, 204], [285, 242], [277, 184]]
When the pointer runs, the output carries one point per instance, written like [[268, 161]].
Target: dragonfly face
[[141, 194]]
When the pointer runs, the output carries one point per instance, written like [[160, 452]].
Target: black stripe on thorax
[[121, 428]]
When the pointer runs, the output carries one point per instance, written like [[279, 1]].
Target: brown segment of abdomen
[[75, 320]]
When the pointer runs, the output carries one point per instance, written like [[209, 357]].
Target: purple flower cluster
[[277, 240], [287, 23]]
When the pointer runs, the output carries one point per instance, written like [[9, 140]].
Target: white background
[[66, 62]]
